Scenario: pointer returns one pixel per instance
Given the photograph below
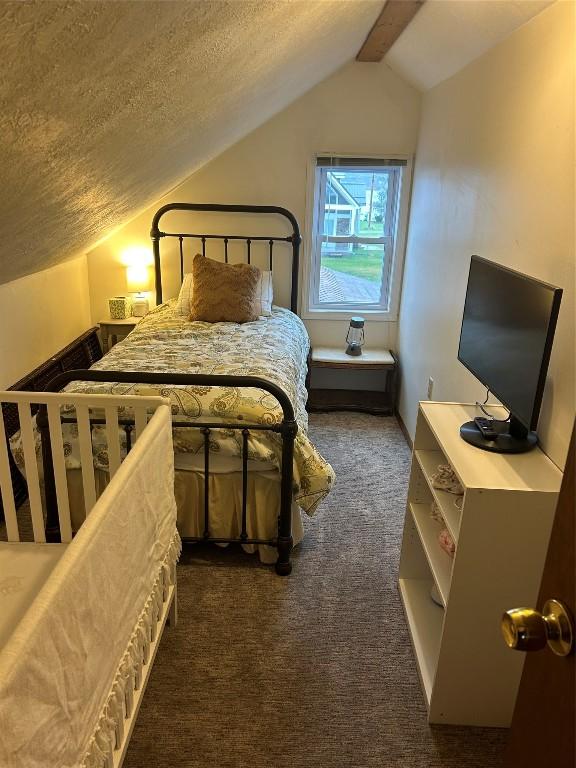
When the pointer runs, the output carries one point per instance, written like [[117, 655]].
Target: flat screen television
[[506, 339]]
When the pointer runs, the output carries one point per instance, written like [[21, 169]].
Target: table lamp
[[138, 281]]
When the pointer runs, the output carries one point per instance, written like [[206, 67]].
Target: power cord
[[489, 415]]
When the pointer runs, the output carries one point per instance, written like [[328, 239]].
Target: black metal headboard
[[294, 239]]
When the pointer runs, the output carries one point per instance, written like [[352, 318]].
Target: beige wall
[[494, 176], [363, 108], [40, 314]]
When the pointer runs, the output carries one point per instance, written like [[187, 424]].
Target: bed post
[[296, 240], [285, 541], [155, 234]]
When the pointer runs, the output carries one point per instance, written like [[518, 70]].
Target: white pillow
[[184, 301], [264, 291]]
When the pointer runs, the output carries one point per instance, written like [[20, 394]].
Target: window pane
[[350, 272], [356, 202], [356, 205]]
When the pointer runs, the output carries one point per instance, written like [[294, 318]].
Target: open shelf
[[531, 471], [429, 462], [468, 675], [439, 561], [425, 619]]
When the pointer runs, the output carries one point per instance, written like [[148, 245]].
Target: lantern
[[355, 336]]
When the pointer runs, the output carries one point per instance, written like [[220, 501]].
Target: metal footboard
[[287, 429]]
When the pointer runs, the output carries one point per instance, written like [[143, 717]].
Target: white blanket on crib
[[58, 667]]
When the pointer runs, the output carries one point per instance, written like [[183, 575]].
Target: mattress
[[24, 568], [273, 348]]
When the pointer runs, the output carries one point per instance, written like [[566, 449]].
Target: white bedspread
[[62, 660]]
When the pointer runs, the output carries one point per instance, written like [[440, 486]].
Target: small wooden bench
[[381, 402]]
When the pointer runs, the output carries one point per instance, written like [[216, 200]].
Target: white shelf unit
[[468, 675]]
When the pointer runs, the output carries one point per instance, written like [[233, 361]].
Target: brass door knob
[[525, 629]]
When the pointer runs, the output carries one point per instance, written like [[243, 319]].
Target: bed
[[81, 619], [245, 466]]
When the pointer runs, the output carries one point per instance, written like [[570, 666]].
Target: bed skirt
[[225, 489]]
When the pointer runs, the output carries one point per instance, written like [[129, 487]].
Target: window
[[355, 235]]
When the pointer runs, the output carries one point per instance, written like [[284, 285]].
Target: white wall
[[494, 176], [363, 108], [40, 314]]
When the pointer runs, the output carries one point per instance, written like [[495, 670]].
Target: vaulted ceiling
[[104, 106], [446, 35]]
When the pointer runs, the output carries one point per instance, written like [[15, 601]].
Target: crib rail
[[88, 410]]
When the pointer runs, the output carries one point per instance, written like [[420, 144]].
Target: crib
[[81, 620]]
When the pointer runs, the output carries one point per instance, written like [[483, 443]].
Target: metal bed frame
[[295, 239], [287, 428]]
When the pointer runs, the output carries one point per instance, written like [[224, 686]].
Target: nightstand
[[380, 402], [112, 330]]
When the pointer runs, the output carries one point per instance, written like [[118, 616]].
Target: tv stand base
[[504, 442]]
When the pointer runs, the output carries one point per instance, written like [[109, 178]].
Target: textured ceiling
[[446, 35], [104, 106]]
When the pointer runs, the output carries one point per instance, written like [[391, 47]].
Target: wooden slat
[[86, 457], [140, 419], [137, 678], [129, 696], [113, 440], [59, 465], [119, 732], [168, 609], [31, 464], [6, 490], [21, 403], [393, 20]]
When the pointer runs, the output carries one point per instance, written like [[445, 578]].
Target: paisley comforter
[[274, 348]]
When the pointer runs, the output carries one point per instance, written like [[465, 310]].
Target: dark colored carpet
[[311, 670]]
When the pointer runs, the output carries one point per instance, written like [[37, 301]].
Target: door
[[542, 732]]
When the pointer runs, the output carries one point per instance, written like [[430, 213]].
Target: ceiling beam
[[393, 20]]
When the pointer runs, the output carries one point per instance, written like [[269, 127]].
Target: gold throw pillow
[[223, 292]]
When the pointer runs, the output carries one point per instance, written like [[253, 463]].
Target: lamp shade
[[138, 278]]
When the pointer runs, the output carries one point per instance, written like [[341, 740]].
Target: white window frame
[[394, 239]]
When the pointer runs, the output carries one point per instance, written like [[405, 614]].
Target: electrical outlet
[[430, 387]]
